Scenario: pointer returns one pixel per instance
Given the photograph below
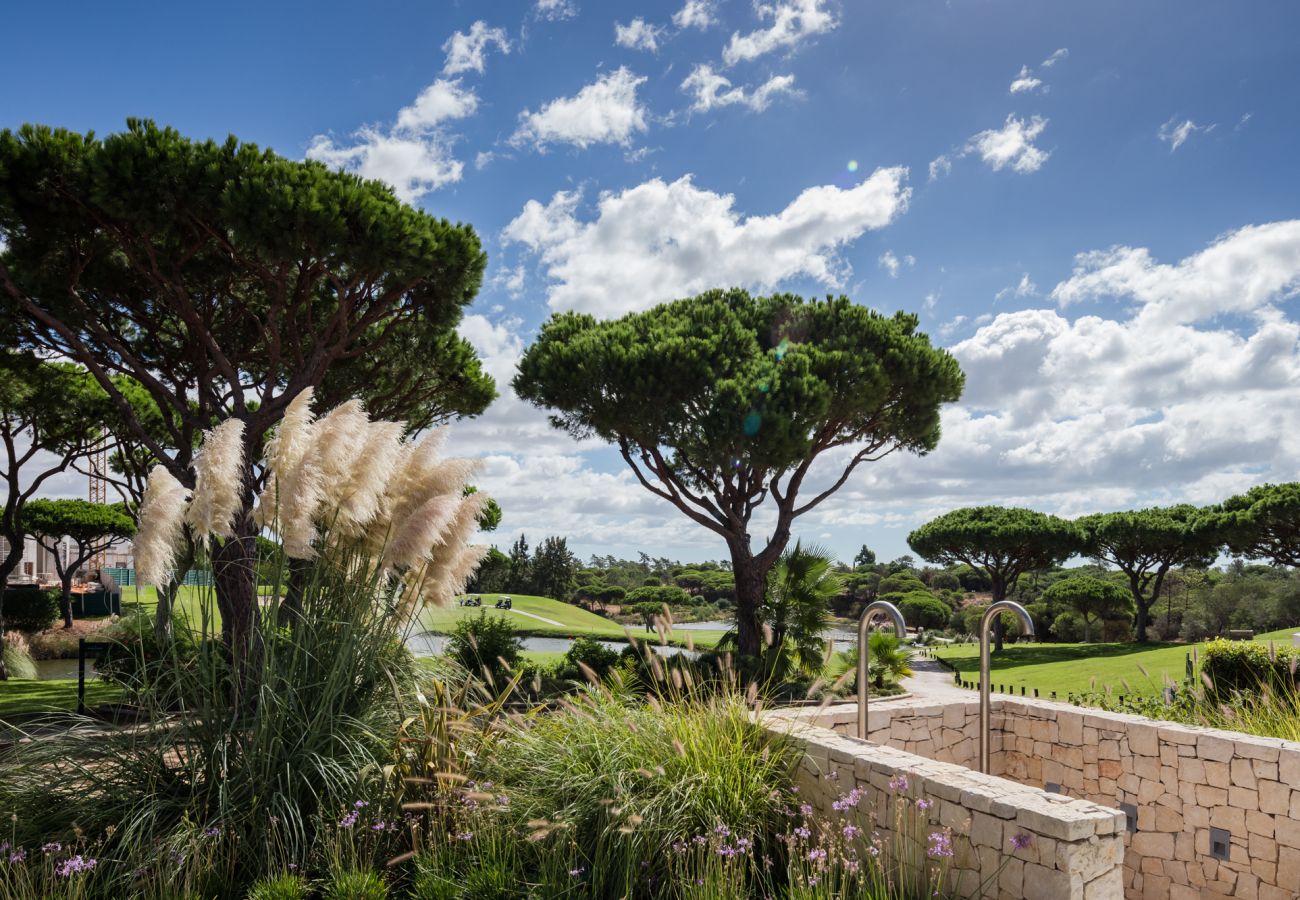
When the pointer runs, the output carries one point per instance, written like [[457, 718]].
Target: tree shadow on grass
[[1017, 655]]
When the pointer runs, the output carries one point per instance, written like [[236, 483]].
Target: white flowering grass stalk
[[162, 520], [218, 481]]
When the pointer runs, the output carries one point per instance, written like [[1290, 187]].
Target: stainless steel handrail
[[1027, 629], [900, 628]]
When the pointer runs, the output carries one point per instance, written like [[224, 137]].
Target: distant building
[[37, 565]]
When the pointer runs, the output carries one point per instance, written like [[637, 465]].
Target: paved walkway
[[931, 680], [537, 617]]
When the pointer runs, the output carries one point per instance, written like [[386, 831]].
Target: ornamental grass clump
[[237, 768]]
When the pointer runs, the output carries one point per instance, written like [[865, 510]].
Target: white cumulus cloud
[[1026, 82], [662, 240], [414, 155], [792, 22], [556, 10], [466, 50], [711, 90], [604, 112], [893, 265], [637, 35], [1011, 145], [696, 14], [1243, 272]]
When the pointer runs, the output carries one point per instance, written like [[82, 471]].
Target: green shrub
[[281, 887], [588, 652], [1247, 667], [18, 658], [1068, 627], [136, 659], [922, 609], [28, 608], [485, 642], [630, 779], [356, 885]]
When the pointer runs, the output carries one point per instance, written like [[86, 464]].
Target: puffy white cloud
[[637, 34], [604, 112], [940, 166], [1176, 133], [466, 50], [1244, 271], [1025, 82], [696, 14], [662, 240], [413, 165], [439, 102], [1011, 145], [556, 9], [893, 264], [711, 90], [414, 156], [792, 22]]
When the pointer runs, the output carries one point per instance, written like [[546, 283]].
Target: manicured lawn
[[20, 697], [573, 621], [1076, 668]]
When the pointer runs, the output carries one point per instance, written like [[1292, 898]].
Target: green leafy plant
[[485, 645], [280, 887], [29, 608]]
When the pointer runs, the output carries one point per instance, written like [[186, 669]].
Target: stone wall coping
[[1053, 815]]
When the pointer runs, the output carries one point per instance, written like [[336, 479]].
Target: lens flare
[[853, 165]]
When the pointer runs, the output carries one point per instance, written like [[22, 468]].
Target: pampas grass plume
[[162, 517], [363, 496], [219, 481]]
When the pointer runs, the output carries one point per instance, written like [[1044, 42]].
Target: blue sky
[[1110, 248]]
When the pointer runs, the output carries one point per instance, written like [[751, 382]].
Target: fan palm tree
[[796, 611], [889, 659]]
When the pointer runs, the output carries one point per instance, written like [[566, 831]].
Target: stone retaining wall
[[1179, 781], [1074, 849]]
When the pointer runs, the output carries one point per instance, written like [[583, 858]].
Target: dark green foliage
[[901, 583], [91, 528], [521, 567], [865, 557], [1145, 544], [797, 612], [30, 608], [493, 575], [485, 645], [1002, 542], [1263, 523], [659, 595], [589, 652], [226, 279], [554, 569], [1249, 667], [1091, 599], [723, 401], [921, 609], [887, 659], [138, 659]]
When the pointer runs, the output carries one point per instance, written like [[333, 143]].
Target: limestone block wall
[[1179, 781], [1182, 782], [1075, 848]]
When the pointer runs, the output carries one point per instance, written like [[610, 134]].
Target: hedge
[[1248, 666]]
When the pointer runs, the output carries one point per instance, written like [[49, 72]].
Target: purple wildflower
[[574, 873], [851, 831], [75, 865], [360, 804], [722, 830], [212, 832], [52, 847], [848, 801], [923, 804], [898, 784], [802, 832], [349, 820], [1021, 841], [464, 835], [17, 856], [817, 854], [805, 809], [940, 845]]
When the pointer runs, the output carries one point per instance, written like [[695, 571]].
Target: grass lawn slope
[[1076, 668]]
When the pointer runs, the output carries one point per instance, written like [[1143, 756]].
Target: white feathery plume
[[363, 497], [456, 574], [450, 475], [340, 437], [464, 523], [162, 517], [284, 455], [406, 487], [218, 482], [412, 539]]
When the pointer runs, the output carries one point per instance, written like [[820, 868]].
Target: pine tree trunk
[[751, 585], [234, 566], [65, 601], [7, 567]]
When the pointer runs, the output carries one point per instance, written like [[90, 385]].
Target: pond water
[[51, 669], [838, 635], [429, 644]]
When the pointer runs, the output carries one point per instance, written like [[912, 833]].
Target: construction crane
[[98, 466]]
